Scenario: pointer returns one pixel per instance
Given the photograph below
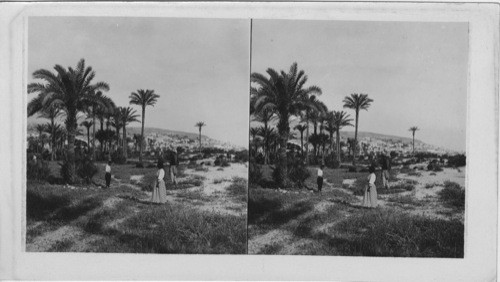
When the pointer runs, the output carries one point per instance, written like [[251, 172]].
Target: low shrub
[[434, 167], [453, 195], [117, 157], [139, 165]]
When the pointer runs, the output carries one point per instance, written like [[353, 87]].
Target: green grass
[[348, 230], [238, 189], [386, 233], [404, 200], [142, 227]]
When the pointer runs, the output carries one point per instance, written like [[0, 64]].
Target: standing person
[[385, 163], [174, 161], [320, 177], [159, 195], [370, 196], [107, 176]]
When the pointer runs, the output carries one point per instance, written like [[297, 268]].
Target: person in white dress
[[370, 196], [159, 195]]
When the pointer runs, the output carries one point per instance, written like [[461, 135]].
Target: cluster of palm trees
[[280, 97], [71, 94]]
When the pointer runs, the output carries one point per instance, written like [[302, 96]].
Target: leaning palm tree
[[284, 94], [413, 129], [200, 124], [87, 124], [340, 119], [128, 115], [143, 98], [357, 102], [70, 91]]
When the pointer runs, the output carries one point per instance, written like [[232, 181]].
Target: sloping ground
[[207, 218], [413, 223]]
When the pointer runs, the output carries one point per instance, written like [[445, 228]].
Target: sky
[[416, 73], [199, 67]]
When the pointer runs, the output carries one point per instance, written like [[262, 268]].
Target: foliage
[[38, 170], [457, 160], [254, 173], [434, 167]]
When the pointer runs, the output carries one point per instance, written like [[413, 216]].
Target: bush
[[254, 173], [297, 172], [86, 169], [117, 157], [241, 156], [453, 195], [457, 160], [434, 167], [38, 170], [139, 165]]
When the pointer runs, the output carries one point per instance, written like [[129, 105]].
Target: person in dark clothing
[[320, 177], [107, 176], [385, 163], [173, 166]]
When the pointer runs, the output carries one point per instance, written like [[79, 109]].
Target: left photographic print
[[136, 141]]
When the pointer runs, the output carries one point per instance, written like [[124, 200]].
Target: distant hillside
[[149, 130], [364, 134]]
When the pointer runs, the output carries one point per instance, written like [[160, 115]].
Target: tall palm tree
[[143, 98], [200, 124], [41, 129], [52, 113], [116, 122], [284, 94], [98, 109], [301, 128], [413, 129], [330, 127], [128, 115], [310, 114], [357, 102], [340, 119], [87, 124], [265, 117], [69, 90]]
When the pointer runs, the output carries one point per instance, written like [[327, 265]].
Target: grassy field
[[87, 218], [409, 222]]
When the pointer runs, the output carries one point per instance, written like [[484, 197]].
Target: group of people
[[159, 193], [370, 192]]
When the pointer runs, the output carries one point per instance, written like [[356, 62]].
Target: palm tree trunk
[[282, 164], [307, 138], [71, 127], [125, 143], [355, 139], [93, 135], [413, 143], [338, 146], [266, 144], [88, 137], [52, 139], [199, 130], [142, 133], [302, 143]]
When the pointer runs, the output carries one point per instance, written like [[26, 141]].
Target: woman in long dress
[[370, 197], [159, 195]]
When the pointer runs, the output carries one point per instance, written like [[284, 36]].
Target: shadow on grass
[[72, 212], [38, 206]]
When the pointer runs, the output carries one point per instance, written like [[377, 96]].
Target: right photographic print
[[358, 138]]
